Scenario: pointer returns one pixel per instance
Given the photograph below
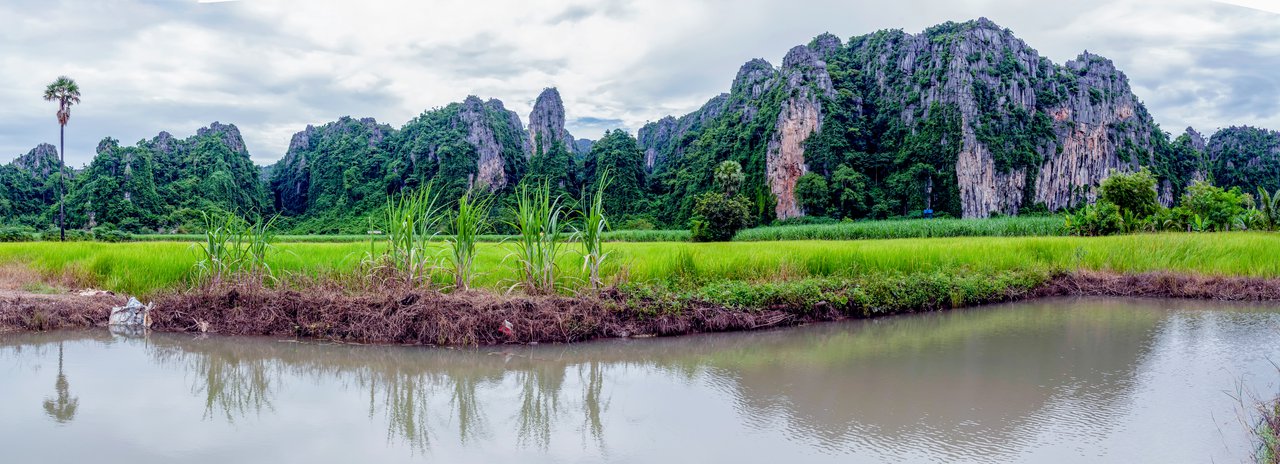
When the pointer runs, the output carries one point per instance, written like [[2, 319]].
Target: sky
[[274, 66]]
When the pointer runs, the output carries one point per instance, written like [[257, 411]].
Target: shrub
[[15, 234], [1216, 209], [1101, 218], [110, 235], [73, 235], [1133, 194], [717, 217]]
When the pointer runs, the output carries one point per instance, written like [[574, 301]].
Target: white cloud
[[274, 66]]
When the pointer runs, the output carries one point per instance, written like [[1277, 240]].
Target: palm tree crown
[[66, 92]]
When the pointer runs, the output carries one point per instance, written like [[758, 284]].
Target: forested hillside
[[964, 119]]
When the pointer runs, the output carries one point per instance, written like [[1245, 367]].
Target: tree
[[1134, 193], [66, 92], [719, 215], [729, 177], [812, 191]]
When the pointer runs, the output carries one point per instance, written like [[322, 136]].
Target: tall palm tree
[[63, 407], [66, 92]]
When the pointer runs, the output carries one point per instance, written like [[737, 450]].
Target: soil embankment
[[28, 302], [412, 316]]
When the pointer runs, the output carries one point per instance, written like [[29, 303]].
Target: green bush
[[1101, 218], [1133, 193], [1216, 209], [73, 235], [110, 235], [15, 234], [717, 217]]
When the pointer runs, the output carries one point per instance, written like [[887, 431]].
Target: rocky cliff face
[[1027, 123], [41, 162], [669, 137], [1245, 157], [491, 168], [319, 153], [807, 84], [582, 147], [1028, 132], [546, 124]]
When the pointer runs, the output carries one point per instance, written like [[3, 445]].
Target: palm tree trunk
[[62, 167]]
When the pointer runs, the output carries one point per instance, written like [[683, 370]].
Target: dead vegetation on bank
[[1161, 285], [409, 316], [405, 314]]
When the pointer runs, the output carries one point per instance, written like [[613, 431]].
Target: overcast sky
[[273, 66]]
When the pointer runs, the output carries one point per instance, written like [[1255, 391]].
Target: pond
[[1057, 380]]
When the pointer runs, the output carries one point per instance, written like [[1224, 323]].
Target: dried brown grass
[[407, 315]]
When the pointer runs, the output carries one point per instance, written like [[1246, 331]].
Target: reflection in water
[[1058, 380], [62, 407]]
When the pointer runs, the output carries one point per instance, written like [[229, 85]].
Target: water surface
[[1062, 380]]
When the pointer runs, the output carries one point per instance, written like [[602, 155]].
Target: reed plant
[[466, 224], [411, 220], [594, 225], [536, 219]]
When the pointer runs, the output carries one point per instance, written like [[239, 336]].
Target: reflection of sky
[[1097, 381]]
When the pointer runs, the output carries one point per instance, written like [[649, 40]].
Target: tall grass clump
[[234, 247], [466, 224], [536, 219], [911, 228], [411, 220], [594, 225], [1268, 432]]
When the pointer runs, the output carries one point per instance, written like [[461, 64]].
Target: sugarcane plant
[[536, 220], [468, 221], [234, 247], [594, 225], [411, 220]]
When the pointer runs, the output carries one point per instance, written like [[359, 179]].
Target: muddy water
[[1050, 381]]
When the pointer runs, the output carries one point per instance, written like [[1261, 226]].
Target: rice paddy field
[[142, 268], [1021, 226]]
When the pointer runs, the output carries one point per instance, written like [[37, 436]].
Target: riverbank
[[421, 317], [329, 291]]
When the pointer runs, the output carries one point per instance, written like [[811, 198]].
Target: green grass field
[[145, 267]]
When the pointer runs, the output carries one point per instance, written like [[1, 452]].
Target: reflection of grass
[[148, 267]]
